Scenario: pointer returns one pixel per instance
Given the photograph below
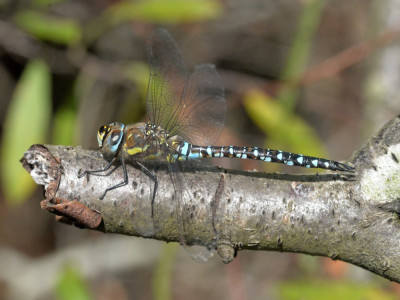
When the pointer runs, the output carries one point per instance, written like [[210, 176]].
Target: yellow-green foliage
[[27, 122]]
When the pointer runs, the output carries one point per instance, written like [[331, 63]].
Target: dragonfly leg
[[153, 177], [108, 173], [90, 172], [123, 183]]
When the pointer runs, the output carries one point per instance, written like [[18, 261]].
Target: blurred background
[[317, 77]]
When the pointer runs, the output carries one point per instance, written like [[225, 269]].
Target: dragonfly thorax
[[144, 140], [156, 132]]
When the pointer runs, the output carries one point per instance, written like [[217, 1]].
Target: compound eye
[[110, 136], [112, 140], [103, 130], [115, 138]]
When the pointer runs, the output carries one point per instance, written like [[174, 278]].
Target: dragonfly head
[[110, 136]]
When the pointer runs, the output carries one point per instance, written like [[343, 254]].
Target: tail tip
[[345, 168]]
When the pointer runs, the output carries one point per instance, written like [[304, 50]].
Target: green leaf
[[71, 286], [165, 11], [331, 291], [64, 126], [49, 28], [163, 272], [299, 52], [138, 72], [284, 129], [26, 123], [46, 3], [135, 107]]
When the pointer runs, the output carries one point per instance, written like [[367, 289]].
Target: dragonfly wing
[[191, 106], [185, 205], [167, 77], [188, 105], [200, 116]]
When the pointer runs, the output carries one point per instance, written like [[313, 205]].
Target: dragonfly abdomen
[[188, 151]]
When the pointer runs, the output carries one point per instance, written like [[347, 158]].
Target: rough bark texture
[[354, 218]]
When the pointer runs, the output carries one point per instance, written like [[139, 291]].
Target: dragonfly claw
[[80, 175]]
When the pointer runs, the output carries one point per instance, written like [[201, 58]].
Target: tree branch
[[354, 218]]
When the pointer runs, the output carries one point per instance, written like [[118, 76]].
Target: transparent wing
[[167, 77], [191, 106], [200, 115], [186, 213]]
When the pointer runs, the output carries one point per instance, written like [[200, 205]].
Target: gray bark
[[354, 218]]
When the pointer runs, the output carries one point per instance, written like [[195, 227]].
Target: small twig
[[347, 58]]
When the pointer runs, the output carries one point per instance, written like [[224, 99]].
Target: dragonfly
[[186, 112]]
